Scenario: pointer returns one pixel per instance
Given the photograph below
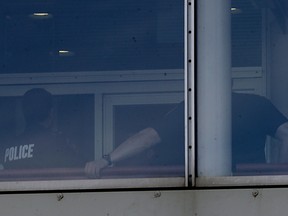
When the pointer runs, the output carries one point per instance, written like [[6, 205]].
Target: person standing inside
[[38, 146]]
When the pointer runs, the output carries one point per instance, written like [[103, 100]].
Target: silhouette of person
[[38, 146]]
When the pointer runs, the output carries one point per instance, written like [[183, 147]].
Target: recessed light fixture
[[41, 15], [65, 53], [235, 10]]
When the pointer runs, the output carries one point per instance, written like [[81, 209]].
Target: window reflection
[[98, 35], [100, 48], [259, 107]]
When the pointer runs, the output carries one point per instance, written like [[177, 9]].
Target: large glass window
[[246, 124], [91, 89], [259, 110]]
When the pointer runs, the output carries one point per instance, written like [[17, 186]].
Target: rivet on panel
[[157, 194], [60, 196], [255, 193]]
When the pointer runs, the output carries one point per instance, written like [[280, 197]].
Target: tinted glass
[[91, 89], [259, 107], [65, 36]]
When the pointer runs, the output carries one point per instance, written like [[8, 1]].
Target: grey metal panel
[[84, 204], [218, 202]]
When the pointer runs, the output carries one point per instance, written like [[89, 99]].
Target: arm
[[138, 143], [282, 136]]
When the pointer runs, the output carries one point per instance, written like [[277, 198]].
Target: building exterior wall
[[210, 202]]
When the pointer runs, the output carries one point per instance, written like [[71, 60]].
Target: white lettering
[[11, 153], [6, 154], [30, 150], [15, 156], [24, 151], [19, 152]]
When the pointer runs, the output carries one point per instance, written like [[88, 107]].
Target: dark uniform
[[253, 118], [39, 147]]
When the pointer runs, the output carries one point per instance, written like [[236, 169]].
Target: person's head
[[37, 105]]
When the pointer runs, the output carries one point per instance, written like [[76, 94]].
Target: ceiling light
[[41, 15], [65, 53], [235, 10]]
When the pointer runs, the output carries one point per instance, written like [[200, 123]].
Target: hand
[[93, 168]]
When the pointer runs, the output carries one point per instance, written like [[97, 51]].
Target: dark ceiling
[[90, 35], [98, 35]]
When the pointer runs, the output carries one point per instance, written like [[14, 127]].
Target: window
[[246, 124], [77, 79]]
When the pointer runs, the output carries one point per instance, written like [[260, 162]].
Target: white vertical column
[[214, 87]]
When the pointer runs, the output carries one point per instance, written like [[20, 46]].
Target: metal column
[[214, 87]]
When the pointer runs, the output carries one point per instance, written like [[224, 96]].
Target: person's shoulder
[[247, 95], [249, 98]]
